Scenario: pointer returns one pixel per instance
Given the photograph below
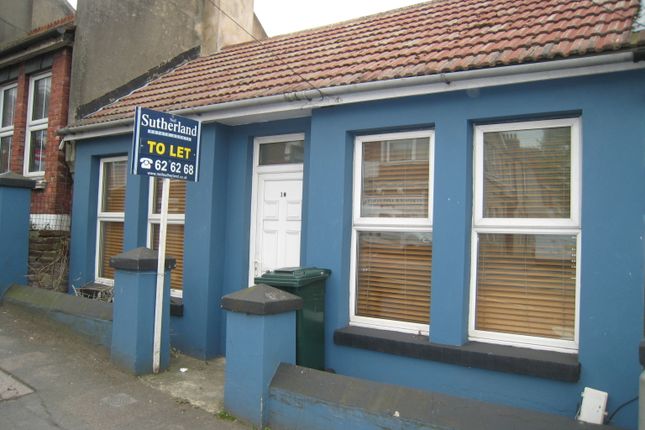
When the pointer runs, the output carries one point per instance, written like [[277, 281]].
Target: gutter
[[301, 103], [37, 44]]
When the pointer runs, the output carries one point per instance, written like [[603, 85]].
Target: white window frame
[[257, 171], [7, 131], [34, 125], [374, 224], [275, 168], [153, 218], [105, 217], [530, 226]]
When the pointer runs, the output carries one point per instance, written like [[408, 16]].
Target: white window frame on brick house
[[36, 125], [6, 130], [105, 216], [538, 227], [420, 225], [154, 218]]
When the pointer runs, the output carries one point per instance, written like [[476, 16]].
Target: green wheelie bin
[[309, 284]]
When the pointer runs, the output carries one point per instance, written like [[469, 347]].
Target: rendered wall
[[46, 11], [26, 15], [120, 40], [19, 15], [613, 183]]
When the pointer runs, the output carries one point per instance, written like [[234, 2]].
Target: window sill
[[41, 183], [176, 307], [522, 361]]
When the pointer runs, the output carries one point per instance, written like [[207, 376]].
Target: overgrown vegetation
[[48, 259], [224, 415]]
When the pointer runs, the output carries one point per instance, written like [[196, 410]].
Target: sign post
[[165, 146]]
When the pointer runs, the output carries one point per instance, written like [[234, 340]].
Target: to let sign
[[165, 145]]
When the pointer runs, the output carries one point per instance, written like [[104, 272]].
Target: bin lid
[[293, 276]]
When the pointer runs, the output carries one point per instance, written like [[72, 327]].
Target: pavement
[[53, 378]]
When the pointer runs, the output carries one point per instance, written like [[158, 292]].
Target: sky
[[287, 16]]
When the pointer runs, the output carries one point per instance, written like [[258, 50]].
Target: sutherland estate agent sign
[[165, 145]]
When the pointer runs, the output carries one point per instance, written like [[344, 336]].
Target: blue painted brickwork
[[263, 342], [14, 236], [612, 109]]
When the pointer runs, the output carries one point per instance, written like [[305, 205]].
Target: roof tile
[[437, 37]]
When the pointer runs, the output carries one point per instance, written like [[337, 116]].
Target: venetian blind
[[395, 179], [176, 197], [114, 177], [526, 284], [5, 153], [175, 249], [393, 276], [527, 173], [111, 245]]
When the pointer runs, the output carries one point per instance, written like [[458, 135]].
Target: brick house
[[34, 93]]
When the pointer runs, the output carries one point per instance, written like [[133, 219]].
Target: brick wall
[[49, 236], [55, 197]]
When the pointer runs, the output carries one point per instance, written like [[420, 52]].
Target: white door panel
[[278, 221]]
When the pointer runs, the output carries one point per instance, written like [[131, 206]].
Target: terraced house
[[470, 171], [36, 41]]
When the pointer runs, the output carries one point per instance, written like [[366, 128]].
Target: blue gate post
[[134, 310], [15, 198], [260, 334]]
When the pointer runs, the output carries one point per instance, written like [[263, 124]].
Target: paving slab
[[75, 386], [198, 382], [10, 388]]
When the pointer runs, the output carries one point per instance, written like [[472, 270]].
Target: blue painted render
[[612, 112], [92, 318], [612, 109], [238, 203], [97, 330], [85, 205], [216, 264], [133, 321], [14, 236], [252, 360], [198, 332], [302, 398]]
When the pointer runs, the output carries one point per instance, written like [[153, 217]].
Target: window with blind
[[175, 232], [110, 215], [7, 109], [37, 122], [526, 234], [392, 232]]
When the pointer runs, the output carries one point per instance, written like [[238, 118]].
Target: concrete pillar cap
[[140, 260], [14, 180], [261, 300]]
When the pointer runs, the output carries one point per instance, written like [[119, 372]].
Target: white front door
[[277, 221]]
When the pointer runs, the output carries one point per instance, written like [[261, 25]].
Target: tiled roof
[[69, 19], [429, 38]]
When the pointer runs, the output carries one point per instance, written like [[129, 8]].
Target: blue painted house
[[471, 172]]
